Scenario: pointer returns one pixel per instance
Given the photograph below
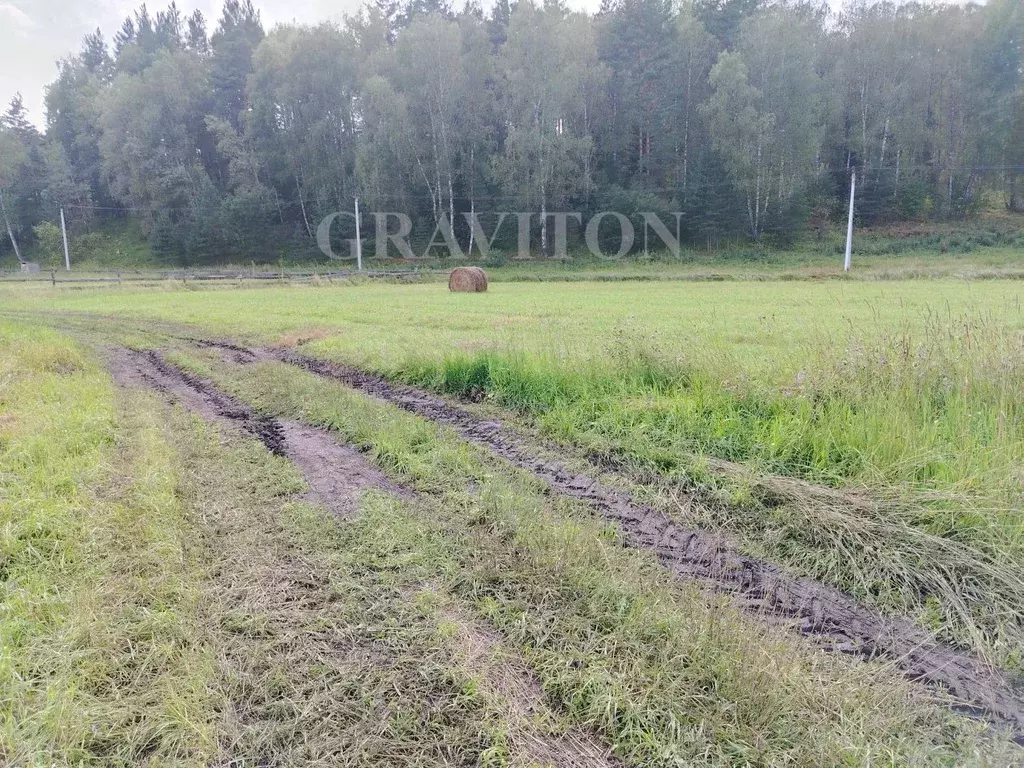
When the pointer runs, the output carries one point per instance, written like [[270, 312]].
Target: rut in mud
[[833, 619], [337, 476]]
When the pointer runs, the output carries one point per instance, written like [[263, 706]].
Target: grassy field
[[908, 383], [866, 433], [170, 601]]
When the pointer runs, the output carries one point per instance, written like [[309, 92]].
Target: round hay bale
[[482, 275], [467, 280]]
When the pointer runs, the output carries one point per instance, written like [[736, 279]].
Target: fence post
[[359, 241]]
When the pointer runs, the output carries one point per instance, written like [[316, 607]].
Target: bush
[[51, 242]]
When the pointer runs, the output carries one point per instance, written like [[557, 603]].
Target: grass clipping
[[467, 280]]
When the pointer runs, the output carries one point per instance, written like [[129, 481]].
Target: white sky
[[34, 34]]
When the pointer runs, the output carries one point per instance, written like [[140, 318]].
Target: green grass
[[101, 656], [167, 600], [907, 395], [910, 391], [323, 651], [171, 601], [871, 384], [653, 667]]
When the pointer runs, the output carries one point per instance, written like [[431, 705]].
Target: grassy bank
[[989, 247]]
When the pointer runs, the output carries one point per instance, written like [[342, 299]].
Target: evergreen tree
[[232, 45]]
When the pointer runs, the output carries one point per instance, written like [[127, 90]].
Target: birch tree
[[303, 119], [12, 158], [547, 69], [765, 112]]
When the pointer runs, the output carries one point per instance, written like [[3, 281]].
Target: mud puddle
[[831, 618], [337, 475]]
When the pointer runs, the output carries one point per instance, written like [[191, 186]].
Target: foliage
[[49, 240], [744, 116]]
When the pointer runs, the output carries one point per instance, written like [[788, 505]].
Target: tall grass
[[938, 407], [663, 674], [927, 420]]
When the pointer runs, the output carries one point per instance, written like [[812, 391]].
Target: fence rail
[[56, 277]]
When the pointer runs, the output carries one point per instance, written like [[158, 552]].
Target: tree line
[[743, 117]]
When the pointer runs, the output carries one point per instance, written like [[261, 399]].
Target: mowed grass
[[102, 659], [911, 392], [169, 601]]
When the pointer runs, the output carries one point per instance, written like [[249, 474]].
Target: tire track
[[338, 475], [833, 619]]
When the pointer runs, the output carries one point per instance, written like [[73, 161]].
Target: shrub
[[50, 241]]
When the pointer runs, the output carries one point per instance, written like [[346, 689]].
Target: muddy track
[[834, 620], [337, 475]]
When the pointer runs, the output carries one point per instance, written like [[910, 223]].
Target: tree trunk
[[864, 127], [686, 126], [451, 202], [757, 195], [302, 205], [438, 201], [472, 199], [881, 155], [10, 232], [543, 218]]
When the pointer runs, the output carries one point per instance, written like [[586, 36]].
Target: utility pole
[[849, 224], [64, 231], [359, 241]]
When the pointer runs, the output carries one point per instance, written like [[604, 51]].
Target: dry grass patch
[[304, 336]]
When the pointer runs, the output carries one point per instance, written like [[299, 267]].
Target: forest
[[737, 119]]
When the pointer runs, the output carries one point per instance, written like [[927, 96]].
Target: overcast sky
[[34, 34]]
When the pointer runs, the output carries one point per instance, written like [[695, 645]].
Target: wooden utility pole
[[849, 224], [64, 231], [359, 241]]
